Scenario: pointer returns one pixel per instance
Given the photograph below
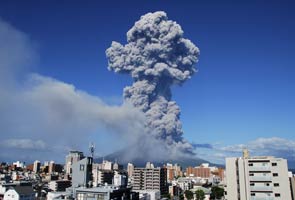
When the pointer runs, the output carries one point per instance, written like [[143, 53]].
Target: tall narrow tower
[[91, 149]]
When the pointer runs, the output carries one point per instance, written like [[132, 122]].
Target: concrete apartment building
[[82, 172], [101, 177], [201, 171], [104, 193], [292, 185], [59, 185], [257, 178], [150, 179], [36, 166], [71, 158]]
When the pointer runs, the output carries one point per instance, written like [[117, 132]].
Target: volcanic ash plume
[[157, 56]]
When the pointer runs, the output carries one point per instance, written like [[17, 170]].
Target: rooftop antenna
[[91, 149]]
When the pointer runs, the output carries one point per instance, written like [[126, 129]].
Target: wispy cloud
[[38, 112], [268, 146], [272, 146], [205, 145], [24, 144]]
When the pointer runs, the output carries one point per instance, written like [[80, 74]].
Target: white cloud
[[272, 146], [266, 146], [38, 112], [24, 144]]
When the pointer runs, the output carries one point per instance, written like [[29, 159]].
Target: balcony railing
[[262, 198], [260, 178], [260, 168], [261, 188]]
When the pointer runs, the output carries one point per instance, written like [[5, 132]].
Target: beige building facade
[[257, 178]]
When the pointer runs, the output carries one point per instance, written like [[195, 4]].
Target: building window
[[82, 167], [251, 174], [252, 194], [252, 184], [273, 164], [276, 184], [275, 174], [250, 164], [266, 184], [277, 194]]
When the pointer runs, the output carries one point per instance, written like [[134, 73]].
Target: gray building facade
[[82, 173]]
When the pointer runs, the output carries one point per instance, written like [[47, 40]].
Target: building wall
[[292, 186], [231, 179], [203, 172], [102, 176], [82, 172], [37, 166], [257, 177], [11, 195], [150, 179], [71, 158], [59, 185]]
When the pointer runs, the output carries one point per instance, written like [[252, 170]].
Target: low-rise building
[[103, 193], [20, 193], [59, 185]]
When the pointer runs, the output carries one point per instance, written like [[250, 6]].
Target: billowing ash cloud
[[157, 56], [43, 118]]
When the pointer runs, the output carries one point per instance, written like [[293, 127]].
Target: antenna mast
[[91, 149]]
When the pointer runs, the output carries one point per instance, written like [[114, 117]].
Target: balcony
[[260, 178], [261, 188], [260, 168], [262, 198]]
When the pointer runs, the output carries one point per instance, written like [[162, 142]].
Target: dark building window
[[274, 164], [275, 174], [252, 194], [276, 184], [250, 164], [277, 194]]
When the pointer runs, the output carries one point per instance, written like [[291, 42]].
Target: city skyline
[[54, 67]]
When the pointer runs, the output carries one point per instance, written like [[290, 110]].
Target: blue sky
[[244, 89]]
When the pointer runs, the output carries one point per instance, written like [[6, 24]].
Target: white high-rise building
[[120, 180], [72, 158], [130, 169], [36, 166], [255, 178]]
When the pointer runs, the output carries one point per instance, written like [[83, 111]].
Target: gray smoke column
[[157, 57]]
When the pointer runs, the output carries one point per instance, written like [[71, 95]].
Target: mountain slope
[[141, 161]]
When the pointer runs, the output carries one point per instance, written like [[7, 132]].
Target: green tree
[[189, 194], [200, 194], [216, 192], [181, 197], [168, 196]]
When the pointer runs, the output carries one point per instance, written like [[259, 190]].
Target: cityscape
[[82, 178], [142, 100]]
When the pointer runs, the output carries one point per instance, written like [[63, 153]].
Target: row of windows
[[264, 174], [266, 184], [264, 164], [276, 194]]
